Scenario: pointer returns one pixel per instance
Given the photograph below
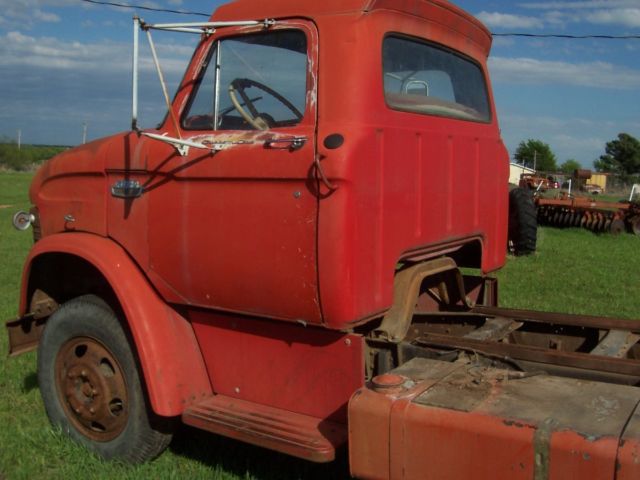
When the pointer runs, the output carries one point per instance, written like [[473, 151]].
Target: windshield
[[260, 82]]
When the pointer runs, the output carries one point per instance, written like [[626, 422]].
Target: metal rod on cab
[[134, 83], [163, 84]]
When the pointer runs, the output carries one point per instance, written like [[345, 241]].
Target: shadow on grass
[[248, 461], [30, 382]]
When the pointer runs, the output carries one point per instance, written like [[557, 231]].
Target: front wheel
[[91, 387]]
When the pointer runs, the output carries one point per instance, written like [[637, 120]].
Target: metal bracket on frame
[[397, 320]]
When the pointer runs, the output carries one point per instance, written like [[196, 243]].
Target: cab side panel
[[409, 184]]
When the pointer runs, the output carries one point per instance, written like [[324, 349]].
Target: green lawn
[[576, 271], [573, 271]]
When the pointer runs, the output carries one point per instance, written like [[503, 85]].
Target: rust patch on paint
[[513, 423], [542, 448]]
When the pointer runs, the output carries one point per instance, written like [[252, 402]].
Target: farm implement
[[598, 216]]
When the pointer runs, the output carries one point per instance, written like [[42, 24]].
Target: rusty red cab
[[279, 262]]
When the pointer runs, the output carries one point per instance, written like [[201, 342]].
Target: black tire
[[523, 224], [91, 387], [634, 224]]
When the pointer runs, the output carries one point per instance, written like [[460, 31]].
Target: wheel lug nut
[[83, 373], [94, 392], [92, 410]]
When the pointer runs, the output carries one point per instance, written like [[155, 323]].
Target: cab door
[[234, 228]]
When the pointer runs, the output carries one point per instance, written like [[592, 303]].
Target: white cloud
[[557, 18], [50, 86], [18, 49], [46, 16], [33, 4], [29, 12], [503, 42], [45, 74], [625, 13], [628, 17], [591, 74], [609, 4], [505, 20]]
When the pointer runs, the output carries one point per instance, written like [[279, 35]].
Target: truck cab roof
[[440, 13]]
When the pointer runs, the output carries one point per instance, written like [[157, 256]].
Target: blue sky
[[65, 62]]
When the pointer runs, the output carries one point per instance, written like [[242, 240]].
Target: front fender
[[172, 365]]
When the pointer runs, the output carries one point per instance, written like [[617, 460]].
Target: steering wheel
[[260, 121]]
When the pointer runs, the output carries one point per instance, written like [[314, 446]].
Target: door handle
[[286, 143]]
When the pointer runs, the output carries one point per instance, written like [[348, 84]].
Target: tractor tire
[[634, 224], [523, 224], [91, 386]]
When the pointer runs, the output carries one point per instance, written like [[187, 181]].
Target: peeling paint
[[312, 91], [223, 141]]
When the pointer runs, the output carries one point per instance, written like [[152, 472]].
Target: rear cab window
[[429, 79]]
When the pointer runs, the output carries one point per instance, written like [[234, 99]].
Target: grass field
[[573, 271]]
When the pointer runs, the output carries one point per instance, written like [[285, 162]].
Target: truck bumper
[[432, 419]]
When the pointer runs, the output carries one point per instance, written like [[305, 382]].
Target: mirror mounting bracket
[[182, 146]]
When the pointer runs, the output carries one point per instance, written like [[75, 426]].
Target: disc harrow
[[599, 217]]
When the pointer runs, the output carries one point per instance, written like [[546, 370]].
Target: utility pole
[[19, 138], [84, 133], [535, 160]]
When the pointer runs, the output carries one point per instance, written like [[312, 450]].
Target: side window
[[423, 78], [252, 82], [200, 113]]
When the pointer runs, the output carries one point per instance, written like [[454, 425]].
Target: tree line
[[621, 157], [26, 157]]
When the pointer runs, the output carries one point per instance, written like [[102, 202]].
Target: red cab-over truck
[[280, 262]]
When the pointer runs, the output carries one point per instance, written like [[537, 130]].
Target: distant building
[[515, 170], [599, 179]]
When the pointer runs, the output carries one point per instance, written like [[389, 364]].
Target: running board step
[[295, 434]]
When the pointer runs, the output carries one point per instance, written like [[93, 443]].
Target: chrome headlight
[[23, 220]]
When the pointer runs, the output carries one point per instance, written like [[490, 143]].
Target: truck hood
[[87, 159]]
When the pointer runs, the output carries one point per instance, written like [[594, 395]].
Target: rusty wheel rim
[[92, 388]]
